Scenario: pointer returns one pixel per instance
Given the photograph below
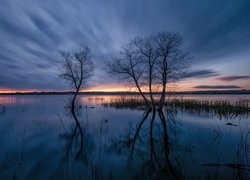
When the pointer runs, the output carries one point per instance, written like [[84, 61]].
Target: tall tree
[[128, 68], [150, 64], [77, 68], [171, 60]]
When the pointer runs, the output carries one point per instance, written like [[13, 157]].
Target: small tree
[[77, 68]]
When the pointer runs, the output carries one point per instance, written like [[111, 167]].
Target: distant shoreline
[[127, 93]]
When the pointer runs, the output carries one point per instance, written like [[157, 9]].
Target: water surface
[[35, 141]]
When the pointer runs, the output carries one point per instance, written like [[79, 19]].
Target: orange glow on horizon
[[117, 88], [179, 87], [93, 89], [14, 91], [8, 91], [111, 88]]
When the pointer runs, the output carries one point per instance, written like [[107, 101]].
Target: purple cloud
[[217, 87], [200, 74], [232, 78]]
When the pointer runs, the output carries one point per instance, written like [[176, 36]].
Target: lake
[[37, 141]]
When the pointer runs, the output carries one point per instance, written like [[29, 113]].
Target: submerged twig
[[230, 165], [2, 109]]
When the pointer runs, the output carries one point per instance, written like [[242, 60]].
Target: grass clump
[[219, 107]]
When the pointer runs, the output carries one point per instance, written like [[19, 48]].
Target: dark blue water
[[36, 141]]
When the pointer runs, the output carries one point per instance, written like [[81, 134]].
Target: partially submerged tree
[[77, 68], [150, 64], [171, 60], [128, 68]]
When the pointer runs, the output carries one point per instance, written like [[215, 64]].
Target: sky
[[32, 32]]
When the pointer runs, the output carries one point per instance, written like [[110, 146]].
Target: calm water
[[36, 141]]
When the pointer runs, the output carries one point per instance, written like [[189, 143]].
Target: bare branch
[[77, 67], [151, 63]]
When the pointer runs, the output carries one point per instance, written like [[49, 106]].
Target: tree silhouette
[[150, 64], [77, 68]]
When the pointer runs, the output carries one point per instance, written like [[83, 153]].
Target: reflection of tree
[[149, 143], [77, 152], [165, 140], [73, 139], [71, 136]]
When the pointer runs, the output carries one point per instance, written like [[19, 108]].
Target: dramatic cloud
[[217, 87], [232, 78], [33, 31]]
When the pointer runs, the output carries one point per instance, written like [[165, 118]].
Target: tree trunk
[[141, 93], [163, 93]]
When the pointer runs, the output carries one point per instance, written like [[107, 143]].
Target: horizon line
[[114, 92]]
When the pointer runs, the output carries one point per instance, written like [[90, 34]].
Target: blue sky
[[216, 34]]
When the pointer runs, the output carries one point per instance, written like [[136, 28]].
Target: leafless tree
[[171, 60], [77, 68], [128, 68], [148, 57], [150, 64]]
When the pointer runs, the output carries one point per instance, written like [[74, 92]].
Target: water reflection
[[119, 143], [8, 100], [159, 143]]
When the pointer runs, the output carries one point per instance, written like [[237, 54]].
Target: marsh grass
[[223, 108]]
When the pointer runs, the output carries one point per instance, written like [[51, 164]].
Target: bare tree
[[150, 64], [148, 56], [128, 68], [77, 68], [171, 60]]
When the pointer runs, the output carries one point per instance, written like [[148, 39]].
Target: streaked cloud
[[200, 74], [33, 31], [232, 78], [217, 87]]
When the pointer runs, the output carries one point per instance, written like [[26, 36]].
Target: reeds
[[218, 107], [126, 102]]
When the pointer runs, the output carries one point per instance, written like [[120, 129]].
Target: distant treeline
[[125, 93]]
